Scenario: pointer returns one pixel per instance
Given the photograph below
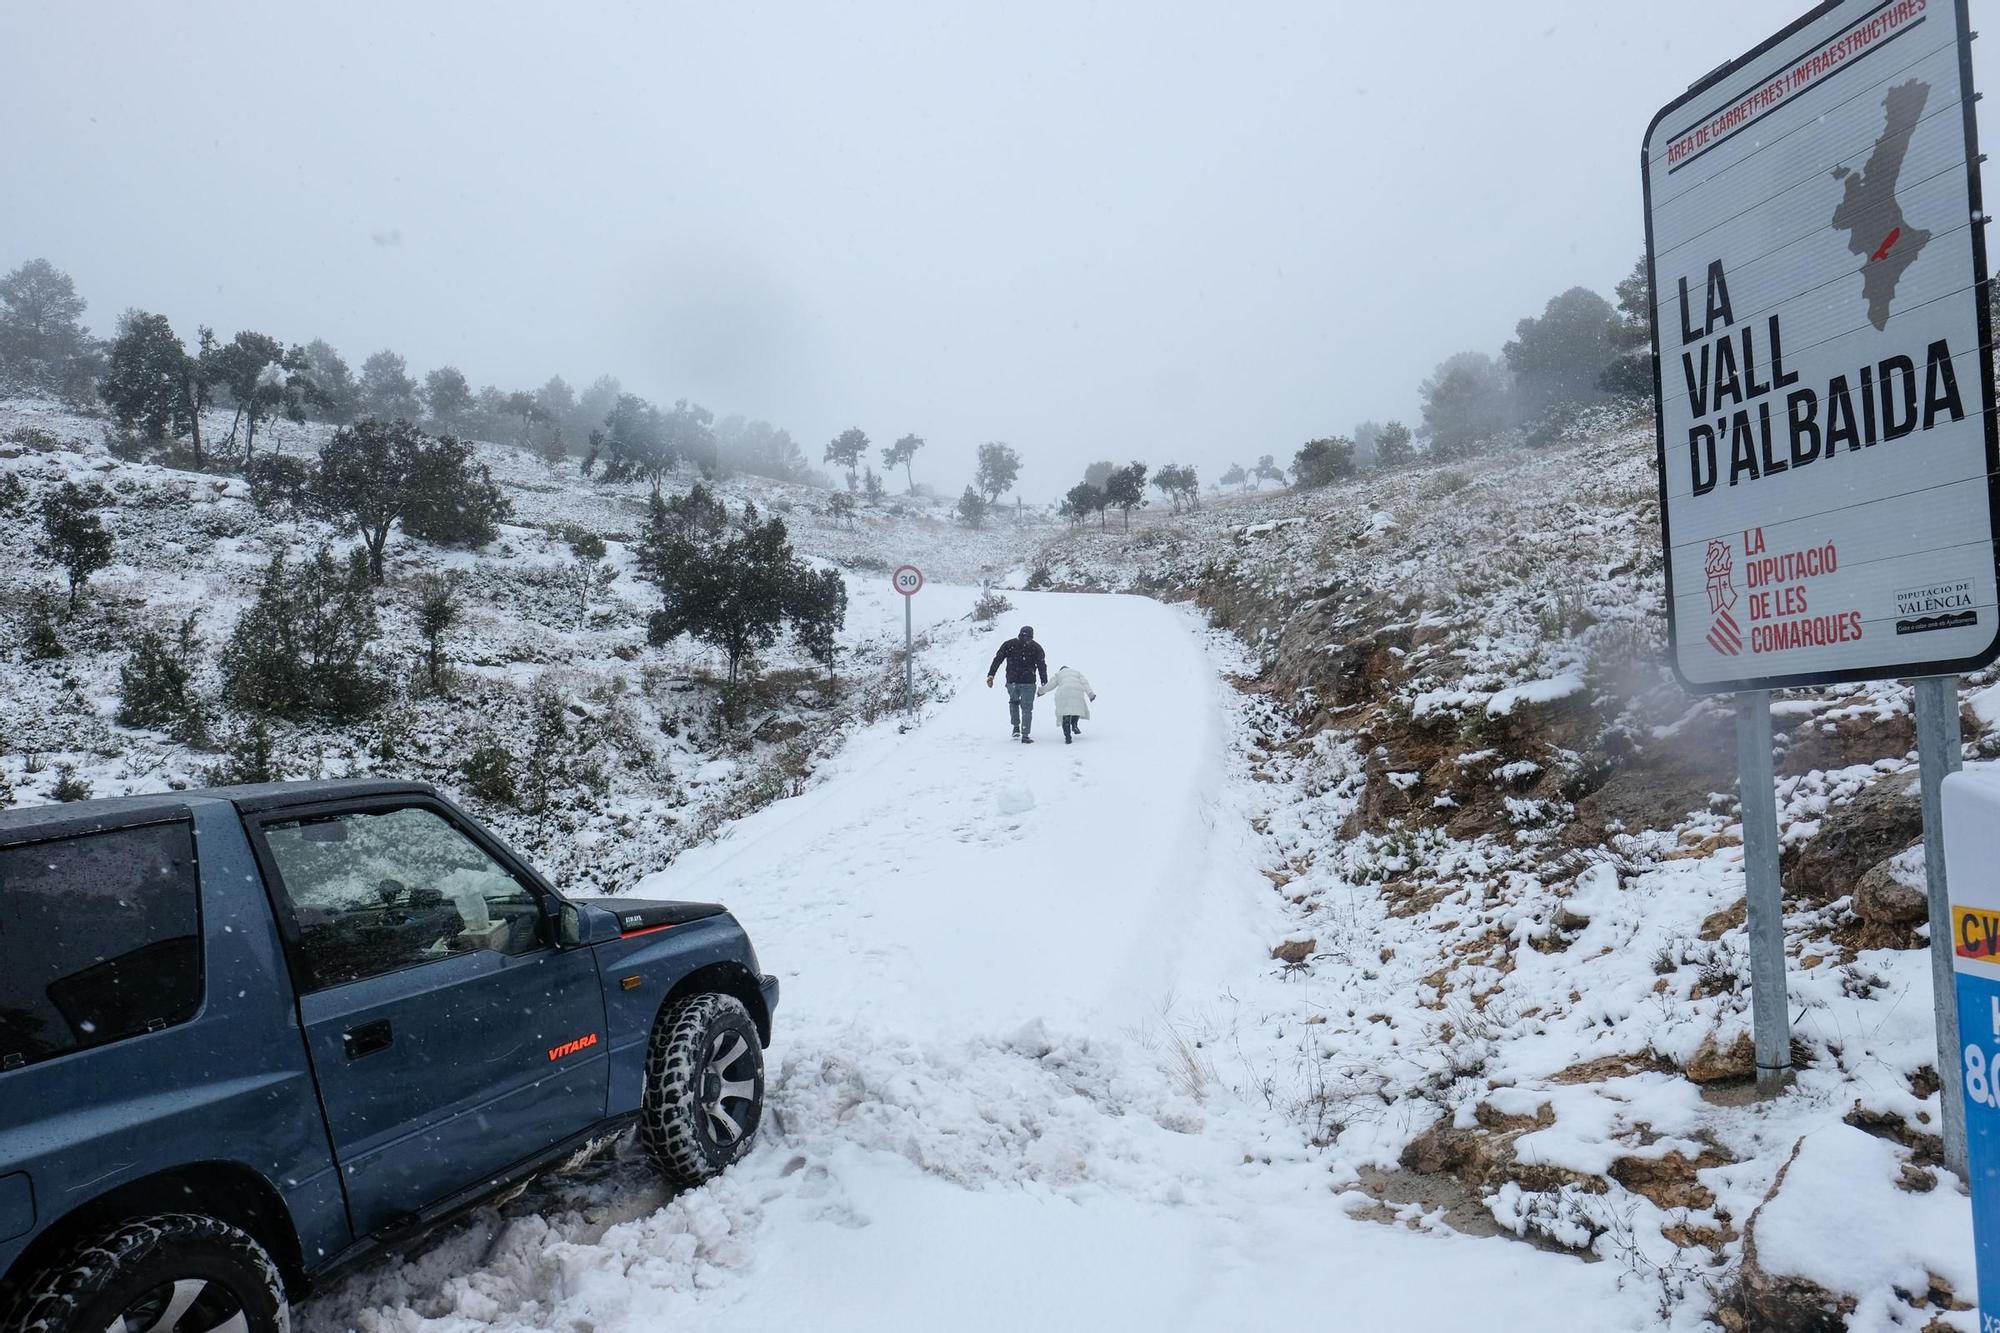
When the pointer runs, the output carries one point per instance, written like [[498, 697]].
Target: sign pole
[[1938, 753], [908, 580], [1764, 898]]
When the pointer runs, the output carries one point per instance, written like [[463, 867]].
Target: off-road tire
[[100, 1281], [676, 1126]]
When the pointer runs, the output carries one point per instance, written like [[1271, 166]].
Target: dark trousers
[[1069, 726]]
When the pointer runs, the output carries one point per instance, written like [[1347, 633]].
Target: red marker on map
[[1894, 234]]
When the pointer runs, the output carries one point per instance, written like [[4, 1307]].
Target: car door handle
[[366, 1038]]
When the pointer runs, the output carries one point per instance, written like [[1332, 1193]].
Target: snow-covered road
[[987, 1108], [961, 882]]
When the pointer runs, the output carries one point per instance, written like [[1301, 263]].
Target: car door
[[450, 1036]]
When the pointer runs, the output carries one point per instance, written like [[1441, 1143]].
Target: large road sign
[[1827, 451]]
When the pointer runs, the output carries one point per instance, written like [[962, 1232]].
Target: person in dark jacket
[[1025, 661]]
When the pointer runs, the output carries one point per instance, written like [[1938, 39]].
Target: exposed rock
[[1766, 1302], [1482, 1156], [1885, 819], [1862, 738], [1380, 800], [1669, 1181], [1716, 924], [1295, 951], [1568, 918], [1926, 1149], [1713, 1063], [1890, 892], [1606, 1067]]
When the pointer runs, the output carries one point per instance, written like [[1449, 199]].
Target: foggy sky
[[1172, 232]]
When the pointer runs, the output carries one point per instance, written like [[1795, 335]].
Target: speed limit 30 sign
[[907, 580]]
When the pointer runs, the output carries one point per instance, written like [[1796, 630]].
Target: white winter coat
[[1073, 693]]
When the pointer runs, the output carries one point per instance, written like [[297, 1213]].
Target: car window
[[99, 940], [374, 891]]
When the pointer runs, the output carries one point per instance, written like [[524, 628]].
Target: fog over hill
[[1114, 232]]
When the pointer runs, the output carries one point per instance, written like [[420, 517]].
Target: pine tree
[[449, 398], [1179, 484], [156, 684], [1125, 490], [1082, 501], [386, 389], [264, 380], [546, 770], [250, 757], [845, 450], [1466, 402], [633, 442], [44, 347], [816, 604], [147, 382], [438, 609], [340, 394], [376, 472], [1322, 462], [40, 637], [971, 508], [1558, 358], [73, 538], [842, 509], [301, 649], [1392, 446], [730, 582], [555, 450], [455, 501], [900, 453], [1236, 476], [69, 785], [999, 466]]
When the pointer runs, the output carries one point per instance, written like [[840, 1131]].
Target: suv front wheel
[[704, 1088], [176, 1273]]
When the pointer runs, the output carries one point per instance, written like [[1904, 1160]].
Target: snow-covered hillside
[[1510, 849], [549, 638]]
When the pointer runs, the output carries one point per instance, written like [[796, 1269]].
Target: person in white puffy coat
[[1073, 695]]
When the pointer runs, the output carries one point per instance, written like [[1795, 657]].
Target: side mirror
[[569, 926]]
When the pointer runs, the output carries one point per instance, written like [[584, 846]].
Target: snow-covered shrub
[[302, 648], [990, 607], [69, 787], [248, 757], [489, 774], [38, 635], [156, 684]]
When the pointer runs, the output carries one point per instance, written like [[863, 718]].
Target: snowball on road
[[979, 1116]]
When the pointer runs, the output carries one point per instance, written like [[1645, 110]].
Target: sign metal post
[[1938, 745], [908, 580], [1770, 1020]]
